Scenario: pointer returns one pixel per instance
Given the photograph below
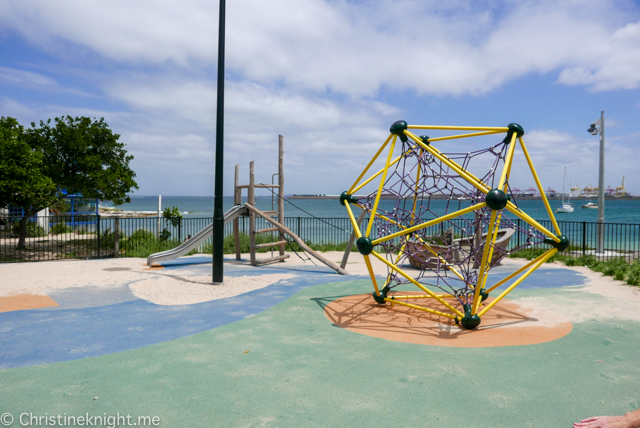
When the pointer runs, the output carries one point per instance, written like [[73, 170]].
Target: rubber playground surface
[[278, 356]]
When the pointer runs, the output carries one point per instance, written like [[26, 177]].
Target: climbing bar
[[453, 137], [429, 223], [416, 283], [507, 162], [516, 273], [381, 186], [514, 210], [540, 188], [432, 311], [475, 182], [546, 257], [461, 128], [352, 189], [483, 263]]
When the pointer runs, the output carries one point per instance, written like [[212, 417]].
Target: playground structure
[[249, 210], [460, 195], [277, 225]]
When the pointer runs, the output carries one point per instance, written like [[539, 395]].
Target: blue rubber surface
[[92, 322]]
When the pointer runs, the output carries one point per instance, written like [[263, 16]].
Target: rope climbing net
[[448, 220]]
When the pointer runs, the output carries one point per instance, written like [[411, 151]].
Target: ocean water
[[616, 211]]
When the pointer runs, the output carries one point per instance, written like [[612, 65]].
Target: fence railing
[[57, 237]]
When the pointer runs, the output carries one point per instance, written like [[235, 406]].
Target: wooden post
[[281, 186], [252, 216], [237, 200], [352, 239]]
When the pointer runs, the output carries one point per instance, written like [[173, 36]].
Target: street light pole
[[218, 215], [596, 128], [600, 244]]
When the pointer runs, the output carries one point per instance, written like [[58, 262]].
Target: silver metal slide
[[196, 240]]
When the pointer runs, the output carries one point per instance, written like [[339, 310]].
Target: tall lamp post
[[596, 128], [218, 215]]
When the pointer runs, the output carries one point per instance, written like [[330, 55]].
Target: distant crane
[[621, 191], [575, 191]]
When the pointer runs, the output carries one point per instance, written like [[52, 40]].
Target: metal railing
[[56, 238]]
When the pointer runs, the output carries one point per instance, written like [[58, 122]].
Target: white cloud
[[352, 48], [617, 67], [311, 70]]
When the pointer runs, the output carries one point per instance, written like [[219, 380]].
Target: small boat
[[590, 205], [566, 207]]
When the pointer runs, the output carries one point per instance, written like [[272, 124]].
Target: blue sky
[[330, 76]]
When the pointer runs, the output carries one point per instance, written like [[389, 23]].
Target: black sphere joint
[[398, 128], [365, 247], [469, 321], [496, 199], [514, 128], [379, 299], [344, 196]]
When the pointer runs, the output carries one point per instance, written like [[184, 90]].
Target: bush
[[60, 228], [108, 239], [33, 230], [138, 239]]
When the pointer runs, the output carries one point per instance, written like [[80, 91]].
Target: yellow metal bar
[[370, 179], [424, 296], [366, 258], [393, 162], [380, 187], [416, 283], [442, 314], [546, 255], [429, 223], [474, 134], [504, 187], [507, 162], [540, 189], [351, 190], [522, 269], [354, 223], [461, 128], [483, 263], [514, 210], [373, 276], [491, 250], [470, 178], [421, 241]]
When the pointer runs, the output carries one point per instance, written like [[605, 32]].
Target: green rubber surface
[[302, 371]]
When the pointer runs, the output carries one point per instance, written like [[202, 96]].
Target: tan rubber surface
[[506, 324], [25, 301]]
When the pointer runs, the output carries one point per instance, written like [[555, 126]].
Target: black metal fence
[[57, 237]]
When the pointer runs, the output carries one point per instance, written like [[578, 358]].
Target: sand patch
[[600, 298], [176, 290], [508, 323]]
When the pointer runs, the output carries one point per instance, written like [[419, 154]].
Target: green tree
[[175, 218], [75, 155], [84, 156], [23, 182]]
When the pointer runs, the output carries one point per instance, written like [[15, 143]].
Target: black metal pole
[[218, 215]]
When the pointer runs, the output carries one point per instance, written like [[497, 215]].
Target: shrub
[[138, 239], [33, 230], [60, 228]]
